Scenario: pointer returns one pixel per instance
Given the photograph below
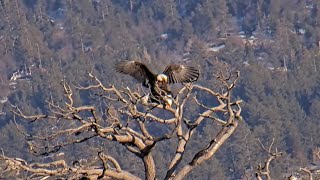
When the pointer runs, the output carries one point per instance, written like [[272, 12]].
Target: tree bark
[[208, 152], [149, 166]]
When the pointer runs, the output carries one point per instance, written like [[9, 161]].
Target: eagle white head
[[168, 99], [162, 78]]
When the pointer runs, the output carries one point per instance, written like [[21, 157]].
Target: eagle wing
[[181, 73], [135, 69]]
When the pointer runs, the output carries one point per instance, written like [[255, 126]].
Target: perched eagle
[[158, 82]]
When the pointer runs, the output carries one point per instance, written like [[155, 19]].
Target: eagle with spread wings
[[158, 83]]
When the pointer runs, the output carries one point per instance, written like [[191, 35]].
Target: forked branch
[[125, 122], [264, 169]]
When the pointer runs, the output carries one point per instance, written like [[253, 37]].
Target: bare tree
[[312, 171], [264, 169], [78, 124]]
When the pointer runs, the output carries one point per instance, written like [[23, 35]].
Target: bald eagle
[[158, 83]]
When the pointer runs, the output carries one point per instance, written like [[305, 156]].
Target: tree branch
[[265, 169], [124, 106]]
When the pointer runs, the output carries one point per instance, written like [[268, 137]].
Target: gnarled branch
[[125, 122]]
